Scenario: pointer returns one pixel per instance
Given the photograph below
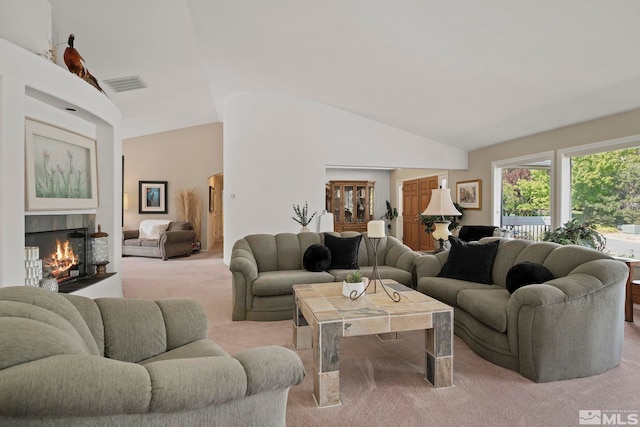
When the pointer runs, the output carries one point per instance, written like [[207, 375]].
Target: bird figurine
[[75, 63]]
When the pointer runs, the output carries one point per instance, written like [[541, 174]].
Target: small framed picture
[[153, 197], [469, 194]]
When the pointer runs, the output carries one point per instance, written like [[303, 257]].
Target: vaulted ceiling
[[466, 73]]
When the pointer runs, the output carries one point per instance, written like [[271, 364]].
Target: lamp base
[[441, 248], [101, 269]]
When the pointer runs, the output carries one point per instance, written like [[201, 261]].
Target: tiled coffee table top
[[373, 313]]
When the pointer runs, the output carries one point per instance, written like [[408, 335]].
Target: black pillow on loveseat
[[472, 262], [344, 251], [316, 258], [526, 273]]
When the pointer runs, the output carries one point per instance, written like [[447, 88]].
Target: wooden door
[[425, 185], [410, 211]]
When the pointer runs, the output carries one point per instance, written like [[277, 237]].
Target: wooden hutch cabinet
[[351, 203]]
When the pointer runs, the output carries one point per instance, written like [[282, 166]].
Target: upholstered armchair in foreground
[[67, 360]]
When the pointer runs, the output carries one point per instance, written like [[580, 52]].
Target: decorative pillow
[[344, 251], [472, 262], [527, 273], [152, 228], [317, 258]]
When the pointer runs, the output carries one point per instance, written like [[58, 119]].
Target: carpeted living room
[[382, 383], [150, 157]]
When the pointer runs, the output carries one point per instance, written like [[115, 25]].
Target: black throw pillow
[[527, 273], [472, 262], [317, 258], [344, 251]]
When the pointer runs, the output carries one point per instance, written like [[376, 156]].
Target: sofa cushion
[[527, 273], [317, 258], [149, 243], [488, 306], [447, 290], [344, 250], [470, 261], [270, 283]]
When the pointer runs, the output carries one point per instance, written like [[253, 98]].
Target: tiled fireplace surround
[[41, 223]]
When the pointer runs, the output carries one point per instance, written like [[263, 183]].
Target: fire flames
[[61, 260]]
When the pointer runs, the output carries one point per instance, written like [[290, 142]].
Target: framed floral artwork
[[61, 170]]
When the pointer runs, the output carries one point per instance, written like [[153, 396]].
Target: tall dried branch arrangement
[[190, 209]]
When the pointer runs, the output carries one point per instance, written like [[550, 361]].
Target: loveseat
[[567, 327], [266, 266], [67, 360], [159, 239]]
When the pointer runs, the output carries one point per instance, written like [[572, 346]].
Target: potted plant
[[392, 213], [353, 284], [574, 232], [301, 215]]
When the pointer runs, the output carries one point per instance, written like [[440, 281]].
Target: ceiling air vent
[[124, 84]]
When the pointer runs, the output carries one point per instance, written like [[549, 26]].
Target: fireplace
[[63, 252]]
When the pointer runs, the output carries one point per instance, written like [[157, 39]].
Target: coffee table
[[323, 315]]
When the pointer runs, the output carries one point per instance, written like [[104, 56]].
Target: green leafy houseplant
[[354, 277], [392, 213], [429, 220], [574, 232], [302, 215]]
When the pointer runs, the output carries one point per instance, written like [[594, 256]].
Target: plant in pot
[[353, 284], [301, 216], [392, 213], [574, 232]]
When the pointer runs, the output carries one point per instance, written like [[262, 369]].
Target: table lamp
[[441, 205]]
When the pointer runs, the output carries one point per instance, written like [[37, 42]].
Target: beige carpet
[[382, 382]]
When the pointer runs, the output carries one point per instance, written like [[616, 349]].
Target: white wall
[[32, 86], [276, 150], [185, 158]]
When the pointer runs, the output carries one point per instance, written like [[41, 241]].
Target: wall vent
[[124, 84]]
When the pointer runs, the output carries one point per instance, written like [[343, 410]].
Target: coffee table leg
[[326, 359], [301, 331], [439, 350]]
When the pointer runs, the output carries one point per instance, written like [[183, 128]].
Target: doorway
[[416, 195], [215, 218]]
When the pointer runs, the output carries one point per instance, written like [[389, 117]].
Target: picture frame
[[152, 197], [469, 194], [61, 168], [211, 199]]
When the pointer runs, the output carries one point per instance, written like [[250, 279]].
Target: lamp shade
[[125, 201], [375, 229], [441, 204]]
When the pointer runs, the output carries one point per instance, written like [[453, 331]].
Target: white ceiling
[[466, 73]]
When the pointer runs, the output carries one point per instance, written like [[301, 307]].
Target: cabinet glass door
[[349, 200], [371, 202], [361, 207], [337, 206]]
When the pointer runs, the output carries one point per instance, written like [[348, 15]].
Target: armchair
[[159, 239], [68, 360]]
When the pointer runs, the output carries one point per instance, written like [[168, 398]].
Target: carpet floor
[[381, 383]]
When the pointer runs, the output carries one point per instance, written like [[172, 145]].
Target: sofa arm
[[130, 234], [244, 268], [429, 265], [270, 368]]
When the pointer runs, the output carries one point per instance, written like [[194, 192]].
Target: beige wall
[[616, 126], [185, 158]]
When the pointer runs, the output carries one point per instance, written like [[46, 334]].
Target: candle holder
[[375, 232], [100, 252]]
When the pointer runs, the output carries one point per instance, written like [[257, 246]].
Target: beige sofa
[[266, 266], [67, 360], [568, 327], [175, 240]]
